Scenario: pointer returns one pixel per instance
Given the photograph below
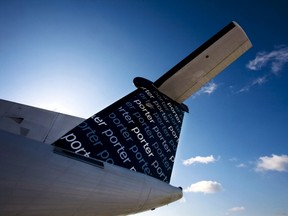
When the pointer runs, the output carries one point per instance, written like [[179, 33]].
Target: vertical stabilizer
[[139, 132]]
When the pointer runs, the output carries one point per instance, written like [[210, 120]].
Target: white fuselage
[[37, 181]]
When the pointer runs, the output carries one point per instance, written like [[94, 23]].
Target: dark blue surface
[[139, 132]]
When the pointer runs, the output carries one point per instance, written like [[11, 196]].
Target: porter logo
[[139, 132]]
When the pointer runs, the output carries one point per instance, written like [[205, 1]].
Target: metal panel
[[35, 123], [36, 181]]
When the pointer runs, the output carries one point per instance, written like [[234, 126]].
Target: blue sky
[[77, 57]]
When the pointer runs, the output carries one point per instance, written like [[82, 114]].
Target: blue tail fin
[[139, 132]]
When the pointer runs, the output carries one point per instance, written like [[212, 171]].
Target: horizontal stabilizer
[[185, 78]]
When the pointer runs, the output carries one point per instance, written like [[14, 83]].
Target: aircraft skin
[[117, 162], [36, 181]]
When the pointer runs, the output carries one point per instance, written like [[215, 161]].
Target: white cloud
[[242, 165], [257, 81], [199, 159], [273, 163], [235, 210], [277, 59], [206, 187], [209, 88], [244, 89], [233, 159]]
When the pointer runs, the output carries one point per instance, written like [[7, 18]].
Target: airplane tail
[[141, 131]]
